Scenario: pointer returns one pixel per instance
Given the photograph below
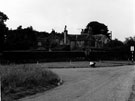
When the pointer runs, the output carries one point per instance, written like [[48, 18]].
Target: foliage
[[130, 41], [20, 39], [114, 43], [96, 28], [3, 29], [3, 17]]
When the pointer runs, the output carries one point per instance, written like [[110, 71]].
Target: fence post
[[132, 51]]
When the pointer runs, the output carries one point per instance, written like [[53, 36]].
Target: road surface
[[90, 84]]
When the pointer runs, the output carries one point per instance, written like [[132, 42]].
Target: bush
[[24, 78]]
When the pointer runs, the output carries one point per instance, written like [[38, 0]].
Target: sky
[[45, 15]]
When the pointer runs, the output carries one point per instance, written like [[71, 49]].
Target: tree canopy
[[95, 27], [3, 17], [130, 41], [21, 39]]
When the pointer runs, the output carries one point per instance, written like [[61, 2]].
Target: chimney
[[65, 35]]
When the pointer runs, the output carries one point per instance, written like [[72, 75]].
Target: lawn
[[84, 64]]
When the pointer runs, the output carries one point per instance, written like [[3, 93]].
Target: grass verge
[[18, 82], [132, 94]]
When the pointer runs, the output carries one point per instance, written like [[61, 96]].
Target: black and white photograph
[[67, 50]]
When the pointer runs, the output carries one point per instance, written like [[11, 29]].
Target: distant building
[[100, 40], [56, 41]]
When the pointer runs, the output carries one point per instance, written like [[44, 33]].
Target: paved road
[[90, 84]]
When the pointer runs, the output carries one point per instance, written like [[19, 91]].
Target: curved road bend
[[90, 84]]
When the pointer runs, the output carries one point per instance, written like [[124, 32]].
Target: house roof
[[42, 35], [78, 37], [82, 37], [56, 35]]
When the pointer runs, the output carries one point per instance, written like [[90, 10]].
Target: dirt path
[[90, 84]]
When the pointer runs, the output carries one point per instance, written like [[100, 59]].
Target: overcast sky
[[44, 15]]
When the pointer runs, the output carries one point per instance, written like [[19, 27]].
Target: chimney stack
[[65, 35]]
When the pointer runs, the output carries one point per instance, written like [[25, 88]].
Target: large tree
[[95, 27], [3, 29]]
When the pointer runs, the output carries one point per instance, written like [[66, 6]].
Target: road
[[90, 84]]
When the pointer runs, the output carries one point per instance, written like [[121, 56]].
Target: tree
[[114, 44], [130, 41], [116, 47], [19, 27], [95, 27], [3, 29], [21, 39], [3, 17]]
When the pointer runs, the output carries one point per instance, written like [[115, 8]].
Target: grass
[[84, 64], [132, 94], [19, 81]]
